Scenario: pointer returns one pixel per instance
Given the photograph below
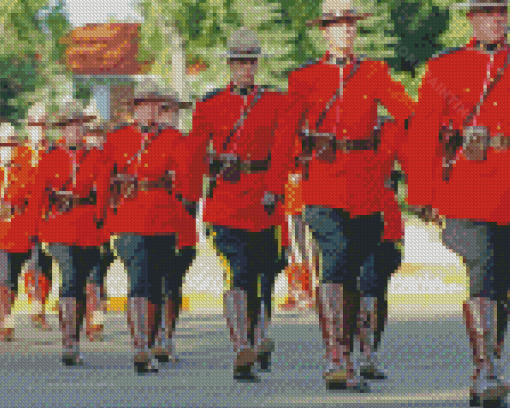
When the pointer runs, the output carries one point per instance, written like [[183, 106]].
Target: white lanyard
[[486, 82], [340, 96]]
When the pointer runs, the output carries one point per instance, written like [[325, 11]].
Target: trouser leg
[[176, 268], [241, 299], [10, 269], [144, 297]]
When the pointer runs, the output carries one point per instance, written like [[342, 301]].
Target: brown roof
[[104, 49]]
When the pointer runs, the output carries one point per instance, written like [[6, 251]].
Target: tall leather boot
[[367, 324], [140, 318], [382, 318], [94, 317], [236, 305], [163, 348], [6, 326], [480, 318], [71, 315], [337, 309], [502, 323], [264, 346]]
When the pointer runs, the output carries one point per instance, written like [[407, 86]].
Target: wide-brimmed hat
[[70, 113], [337, 10], [243, 44], [37, 115], [477, 4], [155, 90], [7, 132]]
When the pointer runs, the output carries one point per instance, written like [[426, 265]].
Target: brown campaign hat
[[36, 115], [337, 10], [155, 90], [477, 4], [70, 112]]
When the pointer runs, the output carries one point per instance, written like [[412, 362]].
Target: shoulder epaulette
[[51, 146], [120, 126], [211, 94], [306, 64], [272, 88]]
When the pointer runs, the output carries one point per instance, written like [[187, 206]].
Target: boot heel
[[265, 362], [142, 364]]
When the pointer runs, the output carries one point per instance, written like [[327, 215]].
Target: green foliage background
[[405, 33]]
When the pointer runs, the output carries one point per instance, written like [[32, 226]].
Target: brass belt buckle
[[62, 201], [325, 145], [231, 167], [475, 142]]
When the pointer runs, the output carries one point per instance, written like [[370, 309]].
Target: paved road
[[427, 362]]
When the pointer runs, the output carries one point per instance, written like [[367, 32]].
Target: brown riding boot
[[6, 301], [141, 319], [94, 315], [480, 319], [236, 314], [163, 348], [71, 316], [338, 315]]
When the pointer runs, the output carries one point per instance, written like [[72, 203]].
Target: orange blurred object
[[43, 283]]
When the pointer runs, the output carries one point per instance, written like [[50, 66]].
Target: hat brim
[[330, 20], [35, 123], [72, 121], [180, 104], [481, 5], [229, 55]]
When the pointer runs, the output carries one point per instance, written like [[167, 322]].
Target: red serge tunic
[[453, 84], [154, 212], [77, 226], [265, 132], [355, 181], [17, 235]]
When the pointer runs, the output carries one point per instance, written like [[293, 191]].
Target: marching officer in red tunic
[[95, 138], [249, 157], [38, 277], [17, 221], [151, 212], [384, 260], [343, 182], [458, 167], [71, 187]]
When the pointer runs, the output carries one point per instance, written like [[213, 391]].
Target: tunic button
[[125, 154], [146, 165], [57, 176], [345, 130], [495, 103], [466, 90], [365, 96], [499, 127]]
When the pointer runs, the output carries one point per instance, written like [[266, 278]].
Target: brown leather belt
[[67, 200], [231, 167], [500, 142], [325, 145], [475, 142], [127, 186], [166, 182]]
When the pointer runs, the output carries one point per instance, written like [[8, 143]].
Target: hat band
[[247, 51], [333, 14]]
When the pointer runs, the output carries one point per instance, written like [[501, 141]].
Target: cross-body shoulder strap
[[338, 92], [476, 108]]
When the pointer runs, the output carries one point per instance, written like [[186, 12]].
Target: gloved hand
[[190, 206], [269, 201], [99, 223]]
